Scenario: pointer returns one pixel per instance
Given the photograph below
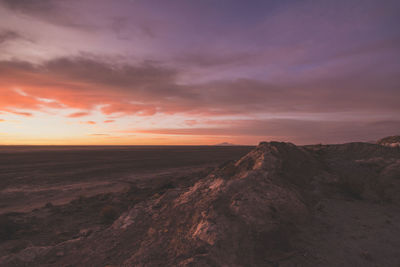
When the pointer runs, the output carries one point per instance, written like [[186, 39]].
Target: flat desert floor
[[32, 176]]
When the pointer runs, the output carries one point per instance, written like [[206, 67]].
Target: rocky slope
[[280, 205], [393, 141]]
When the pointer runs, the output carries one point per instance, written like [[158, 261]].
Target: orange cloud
[[11, 101], [109, 121], [88, 122], [27, 114], [99, 134], [83, 84], [78, 114], [146, 89]]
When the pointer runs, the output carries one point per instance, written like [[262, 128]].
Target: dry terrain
[[31, 176], [274, 205]]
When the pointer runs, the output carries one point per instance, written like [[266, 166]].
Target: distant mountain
[[225, 144], [390, 141]]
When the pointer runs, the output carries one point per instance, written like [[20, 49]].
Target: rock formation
[[393, 141]]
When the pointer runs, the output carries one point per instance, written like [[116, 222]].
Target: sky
[[188, 72]]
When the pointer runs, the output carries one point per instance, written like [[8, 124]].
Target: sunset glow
[[197, 72]]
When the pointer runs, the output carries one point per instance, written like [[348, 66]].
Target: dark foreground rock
[[280, 205]]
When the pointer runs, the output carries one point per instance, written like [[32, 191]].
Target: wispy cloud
[[89, 122], [99, 134], [26, 114], [78, 114], [53, 11], [9, 35], [146, 89]]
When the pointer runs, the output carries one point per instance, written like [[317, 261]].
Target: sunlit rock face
[[235, 212]]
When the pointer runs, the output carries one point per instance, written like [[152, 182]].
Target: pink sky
[[198, 72]]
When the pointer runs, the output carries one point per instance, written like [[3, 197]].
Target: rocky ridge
[[393, 141]]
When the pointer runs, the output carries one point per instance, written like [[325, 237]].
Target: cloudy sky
[[198, 72]]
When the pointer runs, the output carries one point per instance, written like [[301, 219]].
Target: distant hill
[[225, 144], [390, 141]]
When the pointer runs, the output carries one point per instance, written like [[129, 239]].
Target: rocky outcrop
[[244, 213], [393, 141], [230, 217]]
